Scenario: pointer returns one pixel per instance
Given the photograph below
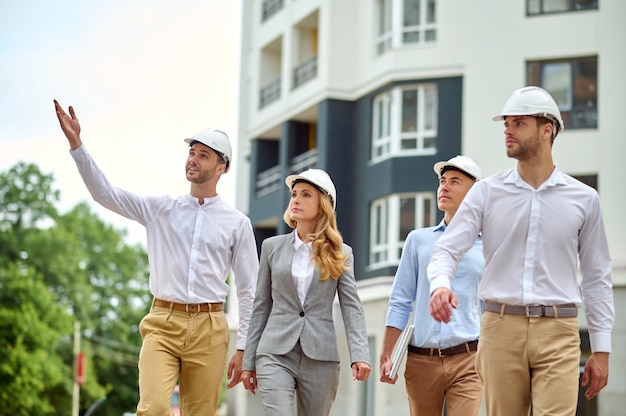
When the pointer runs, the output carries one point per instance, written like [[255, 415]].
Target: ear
[[548, 129]]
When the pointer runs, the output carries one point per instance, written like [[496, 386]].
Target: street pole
[[76, 389]]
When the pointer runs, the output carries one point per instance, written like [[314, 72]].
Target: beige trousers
[[523, 360], [430, 380], [191, 346]]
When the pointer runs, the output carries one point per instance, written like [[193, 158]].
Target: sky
[[142, 75]]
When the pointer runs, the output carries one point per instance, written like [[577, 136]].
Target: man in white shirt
[[537, 225], [194, 241]]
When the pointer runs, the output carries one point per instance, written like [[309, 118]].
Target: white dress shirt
[[192, 247], [302, 268], [533, 242]]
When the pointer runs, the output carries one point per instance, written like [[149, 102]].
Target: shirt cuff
[[438, 282], [600, 342]]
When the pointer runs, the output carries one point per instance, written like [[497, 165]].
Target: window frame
[[538, 7], [388, 132], [391, 30], [386, 244], [576, 93]]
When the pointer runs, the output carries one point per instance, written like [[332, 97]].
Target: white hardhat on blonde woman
[[318, 178], [532, 101], [216, 140]]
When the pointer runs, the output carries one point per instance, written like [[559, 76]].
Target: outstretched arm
[[69, 125]]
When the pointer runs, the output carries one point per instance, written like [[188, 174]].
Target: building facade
[[376, 91]]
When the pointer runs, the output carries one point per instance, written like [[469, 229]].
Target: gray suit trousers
[[314, 382]]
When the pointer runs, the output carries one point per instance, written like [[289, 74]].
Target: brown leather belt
[[568, 310], [191, 307], [446, 352]]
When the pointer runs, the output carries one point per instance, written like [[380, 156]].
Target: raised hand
[[69, 125]]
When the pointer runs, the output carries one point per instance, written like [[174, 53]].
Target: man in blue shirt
[[440, 364]]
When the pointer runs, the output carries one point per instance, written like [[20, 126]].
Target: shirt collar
[[556, 178], [297, 243], [440, 227], [194, 200]]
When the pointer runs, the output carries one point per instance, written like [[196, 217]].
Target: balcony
[[304, 72], [304, 161], [269, 93], [268, 181], [270, 8], [271, 180]]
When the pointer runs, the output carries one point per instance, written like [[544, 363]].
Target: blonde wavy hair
[[327, 243]]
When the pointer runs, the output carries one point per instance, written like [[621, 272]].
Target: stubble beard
[[526, 149], [203, 177]]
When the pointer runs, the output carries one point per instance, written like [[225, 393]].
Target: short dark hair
[[454, 168]]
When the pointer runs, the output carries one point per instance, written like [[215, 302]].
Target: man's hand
[[596, 374], [361, 371], [249, 380], [69, 125], [234, 369], [389, 341], [441, 303], [385, 369]]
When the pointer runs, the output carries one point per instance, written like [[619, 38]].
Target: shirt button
[[301, 313]]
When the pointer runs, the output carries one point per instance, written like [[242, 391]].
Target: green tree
[[89, 274], [32, 326]]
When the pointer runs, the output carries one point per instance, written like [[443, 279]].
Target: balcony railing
[[304, 71], [271, 180], [268, 181], [304, 161], [269, 93], [270, 7]]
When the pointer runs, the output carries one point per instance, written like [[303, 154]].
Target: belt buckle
[[533, 315], [193, 305]]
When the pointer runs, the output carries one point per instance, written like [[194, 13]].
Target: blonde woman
[[292, 345]]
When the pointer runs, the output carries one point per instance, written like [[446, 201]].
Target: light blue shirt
[[411, 287]]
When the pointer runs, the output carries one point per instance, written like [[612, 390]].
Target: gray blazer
[[279, 320]]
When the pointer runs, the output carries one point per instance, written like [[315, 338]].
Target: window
[[405, 122], [404, 22], [537, 7], [574, 85], [392, 218]]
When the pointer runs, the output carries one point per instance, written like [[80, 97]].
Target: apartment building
[[376, 91]]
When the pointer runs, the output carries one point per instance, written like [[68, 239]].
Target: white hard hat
[[216, 140], [317, 177], [464, 163], [532, 101]]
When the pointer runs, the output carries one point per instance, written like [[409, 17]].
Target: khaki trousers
[[191, 346], [430, 380], [529, 359]]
